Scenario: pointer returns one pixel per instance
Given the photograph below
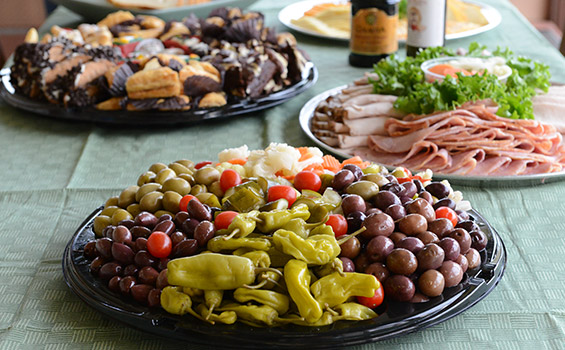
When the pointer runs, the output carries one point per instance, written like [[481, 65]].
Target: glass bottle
[[374, 26], [426, 24]]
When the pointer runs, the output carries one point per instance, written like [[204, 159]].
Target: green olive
[[134, 209], [178, 185], [100, 223], [157, 167], [363, 188], [196, 189], [206, 175], [160, 213], [109, 211], [209, 198], [164, 175], [187, 163], [180, 169], [171, 201], [145, 189], [119, 215], [216, 189], [188, 178], [146, 177], [151, 202], [379, 179], [111, 202], [127, 196]]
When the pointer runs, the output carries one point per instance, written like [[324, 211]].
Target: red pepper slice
[[172, 43]]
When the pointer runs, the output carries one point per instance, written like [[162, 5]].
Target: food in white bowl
[[437, 69]]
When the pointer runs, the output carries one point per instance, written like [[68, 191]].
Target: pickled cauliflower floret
[[280, 159], [233, 153]]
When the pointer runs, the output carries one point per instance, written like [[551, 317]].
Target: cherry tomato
[[281, 191], [229, 179], [183, 204], [374, 301], [159, 244], [224, 219], [202, 164], [307, 180], [338, 224], [448, 213]]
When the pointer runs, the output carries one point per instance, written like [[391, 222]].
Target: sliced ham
[[367, 126]]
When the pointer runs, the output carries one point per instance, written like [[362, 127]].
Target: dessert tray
[[153, 117]]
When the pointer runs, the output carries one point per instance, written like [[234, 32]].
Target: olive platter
[[394, 317]]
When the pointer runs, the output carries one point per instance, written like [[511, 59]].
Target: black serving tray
[[235, 106], [395, 319]]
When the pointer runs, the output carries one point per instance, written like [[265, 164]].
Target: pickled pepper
[[315, 250], [335, 289], [297, 278], [218, 243], [269, 221], [263, 315], [241, 226], [277, 301]]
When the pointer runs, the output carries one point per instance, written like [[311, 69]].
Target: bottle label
[[373, 32], [426, 23]]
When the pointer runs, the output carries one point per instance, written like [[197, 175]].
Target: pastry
[[154, 83]]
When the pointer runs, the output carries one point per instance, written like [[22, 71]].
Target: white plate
[[95, 10], [307, 112], [296, 10]]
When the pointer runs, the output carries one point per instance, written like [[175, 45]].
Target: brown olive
[[90, 251], [427, 196], [162, 264], [121, 234], [450, 247], [468, 225], [452, 272], [352, 203], [419, 298], [410, 189], [108, 231], [140, 292], [142, 258], [430, 257], [463, 238], [140, 244], [203, 232], [109, 270], [445, 202], [399, 287], [437, 189], [462, 215], [104, 247], [128, 223], [342, 179], [428, 237], [148, 275], [413, 244], [113, 284], [401, 261], [131, 270], [379, 224], [355, 221], [162, 280], [361, 262], [478, 240], [122, 253], [396, 211], [199, 211], [185, 248], [96, 264], [126, 283], [385, 199], [177, 237], [154, 297], [422, 207], [413, 224], [474, 258], [140, 231], [462, 260], [350, 248], [348, 264], [166, 226], [440, 227], [378, 270], [146, 219], [188, 227], [357, 172], [431, 283], [379, 248], [180, 217], [396, 237]]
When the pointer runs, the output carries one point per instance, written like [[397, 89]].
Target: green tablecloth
[[55, 173]]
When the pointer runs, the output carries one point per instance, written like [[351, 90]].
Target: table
[[54, 173]]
